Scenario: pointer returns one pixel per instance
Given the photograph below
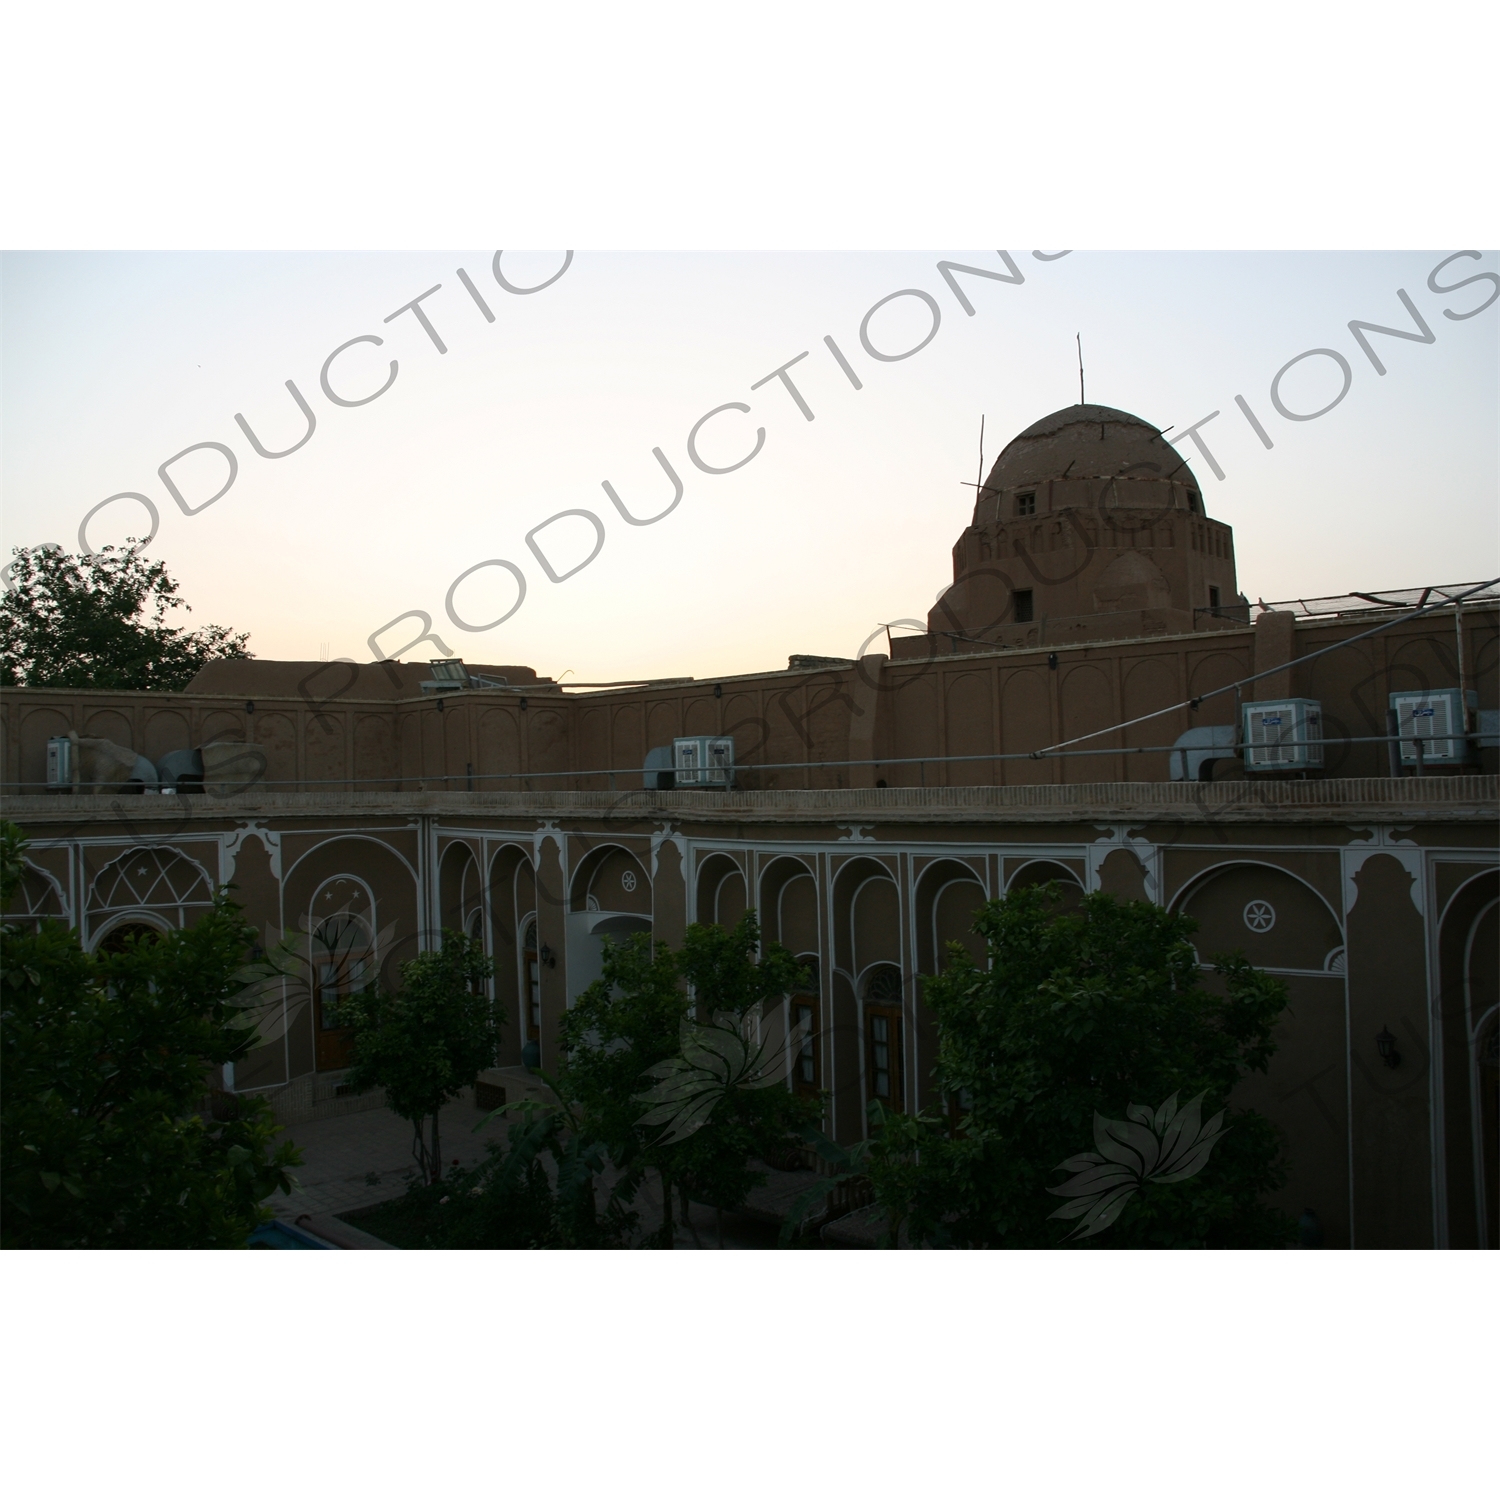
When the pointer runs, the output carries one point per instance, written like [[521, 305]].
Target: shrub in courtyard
[[632, 1028], [108, 1060], [1086, 1029], [427, 1041]]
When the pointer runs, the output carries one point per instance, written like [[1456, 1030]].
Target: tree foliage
[[630, 1023], [107, 1059], [100, 621], [1096, 1013], [428, 1040], [513, 1200]]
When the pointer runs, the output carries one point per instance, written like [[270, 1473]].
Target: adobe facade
[[877, 803]]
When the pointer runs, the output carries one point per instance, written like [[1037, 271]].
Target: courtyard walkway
[[352, 1161], [357, 1160]]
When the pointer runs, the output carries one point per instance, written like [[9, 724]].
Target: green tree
[[99, 621], [512, 1200], [634, 1022], [107, 1060], [428, 1040], [1080, 1016]]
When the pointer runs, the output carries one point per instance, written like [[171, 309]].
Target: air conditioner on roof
[[1437, 718], [704, 761], [60, 761], [1283, 736]]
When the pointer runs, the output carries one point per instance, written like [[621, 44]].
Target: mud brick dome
[[1090, 526]]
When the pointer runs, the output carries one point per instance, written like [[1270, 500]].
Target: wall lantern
[[522, 703], [1385, 1044], [547, 956], [1052, 660], [718, 690], [249, 707]]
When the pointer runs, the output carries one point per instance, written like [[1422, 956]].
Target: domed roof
[[1088, 442]]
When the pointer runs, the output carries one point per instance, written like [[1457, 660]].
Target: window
[[1024, 606], [532, 961], [1213, 597], [805, 1060], [474, 931], [883, 1036], [1026, 504], [805, 1074], [883, 1060], [116, 939], [1193, 501]]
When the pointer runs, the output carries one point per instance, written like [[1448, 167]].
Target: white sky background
[[113, 362]]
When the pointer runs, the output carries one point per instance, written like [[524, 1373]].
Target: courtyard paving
[[356, 1160], [352, 1161]]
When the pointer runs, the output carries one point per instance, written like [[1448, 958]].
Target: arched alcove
[[340, 923], [1469, 994], [1043, 872], [610, 878], [460, 893], [721, 896], [1277, 920]]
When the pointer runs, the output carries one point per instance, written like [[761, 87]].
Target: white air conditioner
[[1437, 718], [1284, 736], [704, 761], [60, 761]]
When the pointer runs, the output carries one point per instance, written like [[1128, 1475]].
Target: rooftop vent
[[450, 675]]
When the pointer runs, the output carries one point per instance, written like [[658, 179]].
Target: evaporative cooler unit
[[704, 761], [1284, 736], [1437, 718]]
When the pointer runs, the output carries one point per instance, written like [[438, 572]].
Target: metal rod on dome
[[980, 485], [1078, 339]]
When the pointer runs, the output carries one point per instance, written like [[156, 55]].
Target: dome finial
[[1078, 339]]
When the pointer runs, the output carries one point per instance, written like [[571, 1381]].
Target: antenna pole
[[980, 485], [1078, 339]]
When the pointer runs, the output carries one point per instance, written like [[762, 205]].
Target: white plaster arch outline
[[314, 922], [64, 904], [1480, 872], [854, 907], [361, 882], [937, 896], [138, 916], [927, 887], [363, 838], [701, 857], [802, 868], [1195, 882], [492, 853], [601, 850], [1048, 859], [1475, 1029], [475, 844], [882, 871], [159, 853], [775, 861]]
